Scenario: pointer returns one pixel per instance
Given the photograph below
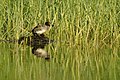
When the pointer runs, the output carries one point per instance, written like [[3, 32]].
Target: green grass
[[87, 35]]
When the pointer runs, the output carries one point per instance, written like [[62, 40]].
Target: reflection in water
[[38, 43], [39, 52]]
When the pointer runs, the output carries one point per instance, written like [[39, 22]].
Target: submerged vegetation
[[86, 35]]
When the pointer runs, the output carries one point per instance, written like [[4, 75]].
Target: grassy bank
[[87, 35]]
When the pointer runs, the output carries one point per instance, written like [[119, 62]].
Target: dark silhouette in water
[[34, 40], [40, 52], [38, 43]]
